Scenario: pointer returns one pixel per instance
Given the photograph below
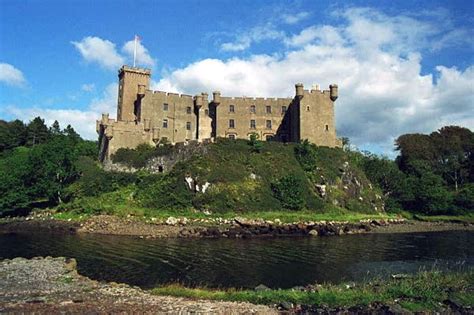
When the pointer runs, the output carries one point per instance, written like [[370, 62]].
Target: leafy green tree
[[289, 191], [346, 143], [414, 147], [37, 132], [14, 180], [12, 134], [465, 198], [255, 144], [385, 173], [55, 129], [305, 153], [454, 147]]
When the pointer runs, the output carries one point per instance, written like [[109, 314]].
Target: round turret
[[299, 90], [333, 92], [216, 97]]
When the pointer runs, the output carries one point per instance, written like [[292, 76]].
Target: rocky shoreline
[[218, 227], [52, 285]]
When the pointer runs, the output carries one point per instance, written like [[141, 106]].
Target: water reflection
[[278, 262]]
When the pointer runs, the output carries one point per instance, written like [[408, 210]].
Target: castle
[[146, 116]]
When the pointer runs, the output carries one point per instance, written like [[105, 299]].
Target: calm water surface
[[276, 262]]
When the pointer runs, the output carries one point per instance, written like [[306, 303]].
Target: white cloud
[[83, 121], [11, 75], [255, 35], [375, 59], [88, 87], [100, 51], [143, 56], [294, 18], [104, 52]]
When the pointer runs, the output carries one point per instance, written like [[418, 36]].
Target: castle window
[[307, 108], [283, 109], [232, 137], [165, 123], [252, 109], [165, 106], [327, 127], [188, 125], [206, 112], [268, 109], [231, 108], [269, 124], [252, 124], [231, 123], [188, 110]]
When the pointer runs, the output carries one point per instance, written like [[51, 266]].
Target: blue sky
[[401, 66]]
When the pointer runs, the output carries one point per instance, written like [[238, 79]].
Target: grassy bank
[[284, 216], [425, 291]]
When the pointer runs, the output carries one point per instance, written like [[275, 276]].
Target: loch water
[[246, 263]]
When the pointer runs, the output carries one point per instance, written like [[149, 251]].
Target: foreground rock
[[52, 285]]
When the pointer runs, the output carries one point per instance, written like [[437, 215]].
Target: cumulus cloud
[[11, 75], [83, 121], [143, 56], [294, 18], [100, 51], [104, 52], [256, 34], [375, 59]]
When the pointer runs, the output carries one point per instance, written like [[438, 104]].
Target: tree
[[12, 134], [55, 128], [454, 147], [256, 145], [414, 147], [346, 143], [37, 132], [305, 153]]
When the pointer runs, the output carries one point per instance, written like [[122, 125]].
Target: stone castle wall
[[145, 116]]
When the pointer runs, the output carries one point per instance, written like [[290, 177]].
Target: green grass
[[92, 206], [421, 292]]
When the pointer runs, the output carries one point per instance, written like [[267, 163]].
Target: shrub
[[255, 144], [94, 180], [465, 198], [288, 190]]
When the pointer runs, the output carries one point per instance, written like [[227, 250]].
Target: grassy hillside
[[243, 177]]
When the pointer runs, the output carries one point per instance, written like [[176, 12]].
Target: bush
[[94, 181], [163, 192], [465, 198], [255, 144], [288, 190]]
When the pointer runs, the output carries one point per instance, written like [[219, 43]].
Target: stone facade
[[145, 116]]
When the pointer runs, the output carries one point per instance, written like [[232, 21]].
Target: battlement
[[169, 94], [134, 70], [256, 99]]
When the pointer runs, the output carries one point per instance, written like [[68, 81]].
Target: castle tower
[[131, 82], [316, 115]]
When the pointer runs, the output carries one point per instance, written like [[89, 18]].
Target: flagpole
[[135, 51]]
